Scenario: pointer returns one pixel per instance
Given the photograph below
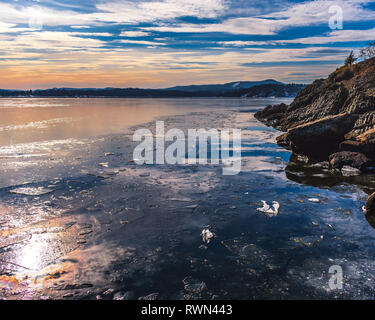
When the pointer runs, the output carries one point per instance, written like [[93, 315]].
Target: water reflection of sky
[[31, 120], [121, 227]]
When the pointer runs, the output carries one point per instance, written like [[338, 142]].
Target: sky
[[163, 43]]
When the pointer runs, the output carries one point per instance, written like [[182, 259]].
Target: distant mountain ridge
[[264, 88], [267, 90], [221, 88]]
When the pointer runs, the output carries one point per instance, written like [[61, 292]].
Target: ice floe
[[29, 191], [207, 235], [314, 200], [269, 211]]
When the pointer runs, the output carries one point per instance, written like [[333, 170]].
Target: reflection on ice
[[31, 103], [33, 255], [37, 125], [82, 221], [32, 191], [39, 148]]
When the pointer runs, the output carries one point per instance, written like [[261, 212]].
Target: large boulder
[[364, 143], [352, 146], [352, 159], [318, 139], [272, 115]]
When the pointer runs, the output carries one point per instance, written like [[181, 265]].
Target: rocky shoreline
[[333, 121]]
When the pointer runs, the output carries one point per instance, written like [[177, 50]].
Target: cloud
[[336, 36], [300, 15], [148, 43], [332, 37], [127, 12], [290, 63], [80, 27], [52, 41], [62, 4], [149, 11], [135, 34], [10, 13], [79, 42], [248, 26], [91, 34], [165, 12], [239, 43], [5, 27], [161, 67]]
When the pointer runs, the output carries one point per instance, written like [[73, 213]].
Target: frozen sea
[[80, 220]]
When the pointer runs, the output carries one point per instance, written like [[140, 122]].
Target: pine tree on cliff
[[350, 59]]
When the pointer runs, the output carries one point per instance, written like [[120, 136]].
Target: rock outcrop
[[318, 139], [330, 115], [351, 159], [332, 120]]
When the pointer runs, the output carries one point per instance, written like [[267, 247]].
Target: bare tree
[[368, 52], [350, 59]]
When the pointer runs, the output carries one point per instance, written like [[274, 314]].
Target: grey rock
[[352, 159], [319, 138], [150, 297]]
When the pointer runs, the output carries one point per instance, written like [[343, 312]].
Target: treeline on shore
[[265, 90]]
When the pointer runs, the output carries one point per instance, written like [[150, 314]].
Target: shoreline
[[157, 98]]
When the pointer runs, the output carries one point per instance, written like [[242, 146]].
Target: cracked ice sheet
[[140, 210]]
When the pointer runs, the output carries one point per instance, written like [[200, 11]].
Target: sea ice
[[268, 211], [28, 191], [207, 235], [104, 164], [308, 241], [314, 200]]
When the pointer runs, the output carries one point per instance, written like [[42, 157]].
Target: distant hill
[[221, 88], [266, 88], [15, 93]]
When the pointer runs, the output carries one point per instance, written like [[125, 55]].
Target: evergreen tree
[[350, 59]]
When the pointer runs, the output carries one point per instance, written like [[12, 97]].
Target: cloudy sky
[[161, 43]]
